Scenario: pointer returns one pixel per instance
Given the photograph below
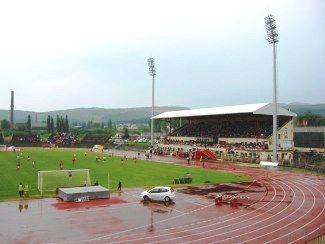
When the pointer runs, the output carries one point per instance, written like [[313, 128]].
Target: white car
[[159, 193]]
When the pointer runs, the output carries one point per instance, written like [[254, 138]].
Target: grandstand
[[241, 132], [22, 140], [90, 140], [62, 139]]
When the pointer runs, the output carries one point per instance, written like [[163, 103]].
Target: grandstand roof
[[257, 108]]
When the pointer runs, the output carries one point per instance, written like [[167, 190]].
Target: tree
[[5, 124], [313, 119], [29, 123], [48, 124], [52, 125], [90, 124], [126, 133], [66, 122], [109, 124], [58, 125]]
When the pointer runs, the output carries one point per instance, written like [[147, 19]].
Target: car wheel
[[146, 198], [167, 199]]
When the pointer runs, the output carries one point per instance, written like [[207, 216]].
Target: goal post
[[49, 180]]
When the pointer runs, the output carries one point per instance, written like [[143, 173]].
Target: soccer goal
[[48, 181]]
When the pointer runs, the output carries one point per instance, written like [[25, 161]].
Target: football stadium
[[218, 173]]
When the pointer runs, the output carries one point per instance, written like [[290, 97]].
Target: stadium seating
[[229, 129], [30, 140], [62, 139], [93, 139]]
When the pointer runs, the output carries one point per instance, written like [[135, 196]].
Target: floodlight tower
[[152, 72], [273, 38]]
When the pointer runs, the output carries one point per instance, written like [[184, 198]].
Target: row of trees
[[163, 125], [96, 125], [62, 124], [312, 119]]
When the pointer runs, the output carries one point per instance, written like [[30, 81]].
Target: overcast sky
[[67, 54]]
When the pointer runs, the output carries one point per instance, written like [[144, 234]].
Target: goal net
[[48, 181]]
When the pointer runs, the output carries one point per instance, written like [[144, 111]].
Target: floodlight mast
[[273, 38], [152, 72]]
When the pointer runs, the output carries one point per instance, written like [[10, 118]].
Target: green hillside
[[137, 115]]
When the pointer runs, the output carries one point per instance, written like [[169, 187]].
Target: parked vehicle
[[159, 193]]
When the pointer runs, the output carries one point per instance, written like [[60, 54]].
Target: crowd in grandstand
[[228, 129], [26, 138], [243, 145], [63, 139]]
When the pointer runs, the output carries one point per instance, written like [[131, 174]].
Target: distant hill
[[132, 115], [301, 108], [79, 115]]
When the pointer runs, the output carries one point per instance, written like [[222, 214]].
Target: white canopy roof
[[257, 108]]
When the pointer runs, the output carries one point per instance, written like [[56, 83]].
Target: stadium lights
[[273, 38], [152, 72]]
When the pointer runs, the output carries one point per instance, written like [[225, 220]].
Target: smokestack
[[12, 110]]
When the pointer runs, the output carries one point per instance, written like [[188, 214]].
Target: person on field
[[188, 160], [119, 186], [33, 165], [18, 165], [26, 190], [74, 160], [21, 189], [70, 175], [61, 165]]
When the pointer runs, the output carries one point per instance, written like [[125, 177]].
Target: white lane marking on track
[[281, 220], [190, 229], [265, 226], [211, 230], [198, 222], [315, 218]]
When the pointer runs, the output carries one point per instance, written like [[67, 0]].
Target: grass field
[[143, 173]]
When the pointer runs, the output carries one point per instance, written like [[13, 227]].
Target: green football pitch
[[139, 173]]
